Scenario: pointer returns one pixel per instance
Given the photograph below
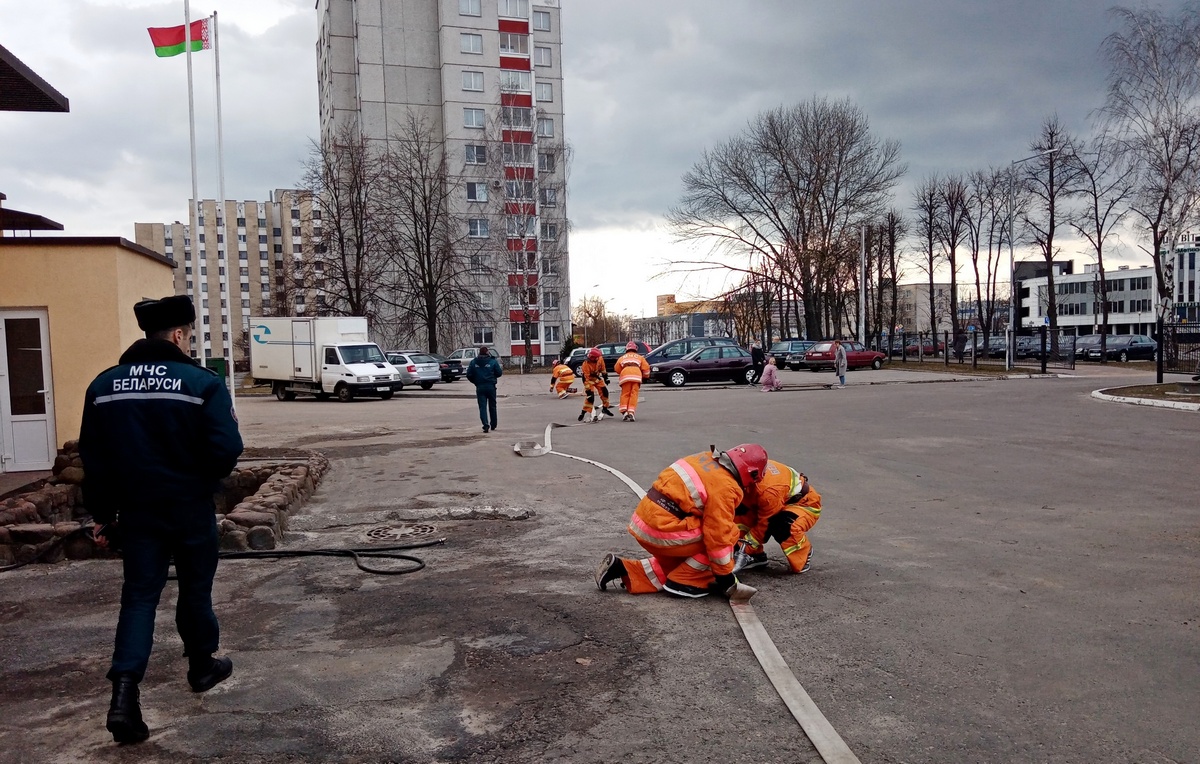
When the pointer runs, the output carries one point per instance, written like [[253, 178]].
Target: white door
[[27, 438]]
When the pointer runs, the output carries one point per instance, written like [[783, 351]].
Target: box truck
[[321, 357]]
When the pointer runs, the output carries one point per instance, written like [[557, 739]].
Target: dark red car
[[820, 356]]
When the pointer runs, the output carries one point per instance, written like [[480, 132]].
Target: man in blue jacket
[[483, 371], [158, 434]]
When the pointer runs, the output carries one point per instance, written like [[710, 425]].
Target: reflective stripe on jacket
[[563, 373], [632, 367], [707, 494], [593, 371]]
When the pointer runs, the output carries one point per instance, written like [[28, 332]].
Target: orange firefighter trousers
[[629, 397]]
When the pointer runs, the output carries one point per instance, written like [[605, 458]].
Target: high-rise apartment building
[[484, 77], [262, 256]]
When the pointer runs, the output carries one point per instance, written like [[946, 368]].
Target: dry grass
[[1164, 392]]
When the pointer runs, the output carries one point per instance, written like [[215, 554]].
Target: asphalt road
[[1004, 571]]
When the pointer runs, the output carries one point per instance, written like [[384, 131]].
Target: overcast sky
[[962, 84]]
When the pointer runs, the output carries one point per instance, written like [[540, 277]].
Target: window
[[264, 271], [546, 161], [553, 334], [241, 222], [477, 228], [518, 153], [541, 21], [201, 238], [476, 192], [479, 263], [245, 304], [549, 266], [545, 92], [514, 9], [518, 227], [524, 262], [296, 214], [476, 154], [277, 232], [470, 43], [262, 222], [514, 44], [548, 197], [296, 249], [473, 118], [482, 336], [517, 331], [545, 127], [278, 249], [549, 231], [243, 271], [473, 81], [483, 300], [515, 116], [262, 238], [469, 8], [549, 300], [541, 56], [518, 189], [515, 82]]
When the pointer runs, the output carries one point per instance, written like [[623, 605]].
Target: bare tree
[[784, 195], [951, 229], [346, 177], [1151, 115], [1104, 183], [988, 231], [927, 207], [1047, 180]]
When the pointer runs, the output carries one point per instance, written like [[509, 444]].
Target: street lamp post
[[1012, 262]]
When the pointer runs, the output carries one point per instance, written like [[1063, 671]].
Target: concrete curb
[[1178, 405]]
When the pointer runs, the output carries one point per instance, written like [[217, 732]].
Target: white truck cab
[[321, 357]]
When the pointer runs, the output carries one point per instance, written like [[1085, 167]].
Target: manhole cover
[[400, 532]]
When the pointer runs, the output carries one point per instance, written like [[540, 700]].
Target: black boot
[[125, 713], [582, 414], [207, 672], [610, 569]]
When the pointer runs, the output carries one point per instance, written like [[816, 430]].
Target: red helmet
[[631, 346], [594, 353], [750, 461]]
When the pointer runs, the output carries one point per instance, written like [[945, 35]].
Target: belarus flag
[[168, 41]]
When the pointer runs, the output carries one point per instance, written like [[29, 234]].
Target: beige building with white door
[[66, 314]]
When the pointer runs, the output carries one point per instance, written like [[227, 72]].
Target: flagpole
[[225, 289], [197, 298]]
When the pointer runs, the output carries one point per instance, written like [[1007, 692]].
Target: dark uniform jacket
[[158, 434], [483, 371]]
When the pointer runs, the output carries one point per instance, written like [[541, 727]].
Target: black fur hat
[[167, 313]]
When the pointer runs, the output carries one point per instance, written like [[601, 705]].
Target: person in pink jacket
[[770, 377]]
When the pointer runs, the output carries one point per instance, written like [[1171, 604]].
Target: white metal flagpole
[[194, 213], [227, 311]]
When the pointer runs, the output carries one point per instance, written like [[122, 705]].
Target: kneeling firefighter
[[782, 506], [686, 522], [595, 380], [561, 379]]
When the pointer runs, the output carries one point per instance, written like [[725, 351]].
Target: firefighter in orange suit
[[561, 379], [595, 380], [782, 506], [632, 370], [686, 522]]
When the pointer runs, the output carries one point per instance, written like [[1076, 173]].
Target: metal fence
[[1030, 349], [1180, 347]]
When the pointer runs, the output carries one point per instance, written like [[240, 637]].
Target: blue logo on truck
[[260, 333]]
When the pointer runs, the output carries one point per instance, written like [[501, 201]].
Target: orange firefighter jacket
[[702, 493], [632, 367], [562, 373], [780, 488], [593, 372]]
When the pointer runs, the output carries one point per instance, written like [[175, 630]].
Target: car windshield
[[822, 347], [422, 358], [361, 354], [781, 347]]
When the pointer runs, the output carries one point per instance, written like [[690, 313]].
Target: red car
[[924, 347], [820, 356]]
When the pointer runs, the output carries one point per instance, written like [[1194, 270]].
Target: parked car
[[416, 368], [1084, 344], [451, 368], [676, 349], [1125, 347], [924, 347], [1028, 347], [786, 349], [614, 350], [820, 356], [715, 363], [575, 358]]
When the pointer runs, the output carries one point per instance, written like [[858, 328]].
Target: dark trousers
[[147, 555], [758, 370], [485, 395]]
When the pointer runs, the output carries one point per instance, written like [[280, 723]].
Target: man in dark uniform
[[758, 360], [158, 434]]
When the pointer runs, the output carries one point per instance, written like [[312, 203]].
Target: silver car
[[416, 368]]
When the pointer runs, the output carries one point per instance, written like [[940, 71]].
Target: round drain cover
[[400, 532]]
